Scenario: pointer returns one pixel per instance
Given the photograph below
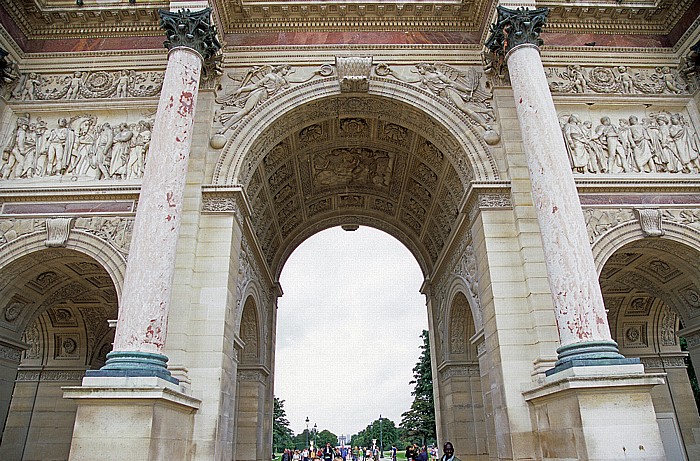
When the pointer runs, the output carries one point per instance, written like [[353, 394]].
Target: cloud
[[348, 330]]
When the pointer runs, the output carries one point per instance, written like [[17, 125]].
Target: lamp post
[[315, 431], [307, 431], [381, 438]]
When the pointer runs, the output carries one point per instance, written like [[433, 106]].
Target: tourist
[[449, 452]]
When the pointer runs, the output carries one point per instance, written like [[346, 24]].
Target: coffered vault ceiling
[[357, 168], [116, 18]]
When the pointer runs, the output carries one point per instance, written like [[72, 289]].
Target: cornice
[[33, 193], [39, 20], [645, 184]]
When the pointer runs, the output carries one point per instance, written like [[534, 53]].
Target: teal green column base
[[589, 354], [121, 364]]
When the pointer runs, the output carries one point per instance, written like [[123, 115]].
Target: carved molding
[[459, 371], [664, 362], [11, 354], [50, 375]]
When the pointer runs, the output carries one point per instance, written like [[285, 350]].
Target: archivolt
[[261, 130]]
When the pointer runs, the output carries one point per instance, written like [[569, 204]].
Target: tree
[[384, 431], [419, 421], [281, 433], [326, 436]]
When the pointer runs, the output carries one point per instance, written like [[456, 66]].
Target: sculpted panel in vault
[[81, 146], [658, 141]]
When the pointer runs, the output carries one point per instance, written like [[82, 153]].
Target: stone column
[[578, 302], [143, 311]]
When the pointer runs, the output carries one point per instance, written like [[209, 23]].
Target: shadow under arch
[[452, 130], [83, 242], [631, 231]]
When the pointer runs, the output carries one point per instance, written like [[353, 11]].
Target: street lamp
[[315, 431], [307, 431], [381, 438]]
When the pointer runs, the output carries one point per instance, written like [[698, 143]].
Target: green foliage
[[384, 431], [419, 421], [281, 433], [326, 436]]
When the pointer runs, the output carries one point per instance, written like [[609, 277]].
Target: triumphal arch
[[539, 159]]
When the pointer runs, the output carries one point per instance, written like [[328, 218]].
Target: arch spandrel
[[398, 158]]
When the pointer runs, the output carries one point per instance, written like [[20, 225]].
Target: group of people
[[343, 453], [660, 143]]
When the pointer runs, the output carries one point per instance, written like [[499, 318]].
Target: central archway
[[397, 159]]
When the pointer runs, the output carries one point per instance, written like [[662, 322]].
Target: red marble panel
[[53, 208], [625, 41], [358, 38]]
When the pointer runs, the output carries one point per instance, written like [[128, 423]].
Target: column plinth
[[578, 302]]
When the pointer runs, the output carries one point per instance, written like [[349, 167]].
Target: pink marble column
[[573, 280], [143, 311]]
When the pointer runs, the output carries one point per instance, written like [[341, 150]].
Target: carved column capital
[[190, 29], [516, 27]]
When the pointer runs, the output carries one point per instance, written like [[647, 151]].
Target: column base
[[135, 418], [123, 364], [588, 354], [597, 413]]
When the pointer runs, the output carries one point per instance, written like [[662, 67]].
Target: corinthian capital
[[516, 27], [190, 29]]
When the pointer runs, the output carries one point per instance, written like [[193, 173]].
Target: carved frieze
[[101, 84], [660, 142], [78, 147], [664, 362], [621, 79], [115, 230], [50, 375], [10, 353], [456, 371]]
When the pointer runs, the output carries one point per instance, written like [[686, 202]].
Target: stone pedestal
[[597, 413], [139, 419]]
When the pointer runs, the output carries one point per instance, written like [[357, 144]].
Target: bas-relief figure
[[462, 89], [255, 87], [78, 147], [87, 85], [660, 143]]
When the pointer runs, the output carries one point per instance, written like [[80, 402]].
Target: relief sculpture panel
[[353, 166]]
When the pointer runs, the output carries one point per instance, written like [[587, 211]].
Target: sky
[[348, 330]]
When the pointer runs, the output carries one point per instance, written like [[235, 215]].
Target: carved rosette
[[192, 30], [516, 27]]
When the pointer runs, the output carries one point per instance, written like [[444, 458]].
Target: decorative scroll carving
[[78, 147], [460, 372], [353, 73], [660, 143], [88, 85], [462, 89], [57, 231], [618, 80], [219, 204], [10, 353], [250, 376], [50, 375], [663, 362]]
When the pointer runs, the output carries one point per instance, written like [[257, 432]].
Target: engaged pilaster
[[143, 312], [578, 302]]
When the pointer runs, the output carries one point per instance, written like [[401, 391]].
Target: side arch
[[83, 242]]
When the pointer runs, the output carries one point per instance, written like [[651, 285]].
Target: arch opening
[[650, 287], [57, 304]]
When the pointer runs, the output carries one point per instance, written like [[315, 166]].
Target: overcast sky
[[348, 330]]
